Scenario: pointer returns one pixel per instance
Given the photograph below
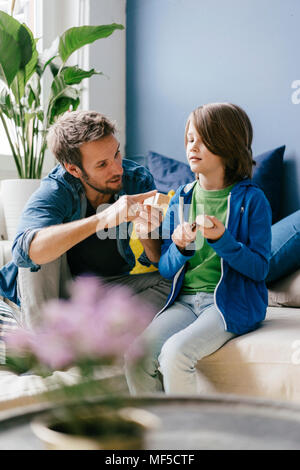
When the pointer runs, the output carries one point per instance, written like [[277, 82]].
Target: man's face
[[102, 165]]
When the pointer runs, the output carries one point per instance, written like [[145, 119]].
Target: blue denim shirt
[[61, 199]]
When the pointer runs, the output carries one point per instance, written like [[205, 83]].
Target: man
[[77, 221]]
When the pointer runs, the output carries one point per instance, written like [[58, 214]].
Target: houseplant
[[27, 109], [91, 330]]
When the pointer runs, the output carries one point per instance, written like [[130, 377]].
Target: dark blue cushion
[[285, 253], [168, 173], [268, 174]]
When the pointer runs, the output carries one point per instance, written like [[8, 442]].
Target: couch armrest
[[5, 252], [3, 231]]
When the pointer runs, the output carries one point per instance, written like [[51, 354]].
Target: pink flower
[[87, 290], [53, 350], [98, 322], [19, 340]]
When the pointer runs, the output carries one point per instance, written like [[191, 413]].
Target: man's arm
[[51, 242]]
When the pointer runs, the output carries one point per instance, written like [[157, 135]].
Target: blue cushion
[[268, 174], [168, 173], [285, 253]]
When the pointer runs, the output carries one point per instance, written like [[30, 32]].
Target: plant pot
[[14, 195], [127, 429]]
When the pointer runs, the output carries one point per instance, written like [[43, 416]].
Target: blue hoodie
[[241, 296]]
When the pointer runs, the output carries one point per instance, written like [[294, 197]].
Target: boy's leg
[[146, 379], [182, 351], [35, 288]]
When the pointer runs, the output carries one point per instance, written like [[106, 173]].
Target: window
[[24, 11]]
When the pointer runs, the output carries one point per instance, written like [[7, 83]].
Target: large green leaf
[[59, 87], [77, 37], [24, 74], [75, 75], [10, 57], [49, 54], [33, 91], [54, 68], [6, 105], [62, 105], [20, 34], [60, 90], [30, 67]]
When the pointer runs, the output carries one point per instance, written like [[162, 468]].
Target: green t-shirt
[[204, 268]]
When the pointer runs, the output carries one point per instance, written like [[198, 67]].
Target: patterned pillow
[[7, 324]]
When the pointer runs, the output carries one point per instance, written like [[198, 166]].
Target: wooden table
[[209, 422]]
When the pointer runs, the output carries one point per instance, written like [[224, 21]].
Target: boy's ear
[[74, 170]]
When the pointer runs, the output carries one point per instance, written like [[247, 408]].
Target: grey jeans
[[52, 280], [189, 330]]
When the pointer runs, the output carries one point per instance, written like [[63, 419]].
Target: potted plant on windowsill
[[26, 108], [90, 332]]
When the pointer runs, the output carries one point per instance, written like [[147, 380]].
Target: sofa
[[263, 363]]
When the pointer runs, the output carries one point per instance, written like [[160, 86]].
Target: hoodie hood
[[186, 189]]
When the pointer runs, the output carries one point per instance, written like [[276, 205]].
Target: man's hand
[[126, 209], [215, 232], [183, 236], [148, 219]]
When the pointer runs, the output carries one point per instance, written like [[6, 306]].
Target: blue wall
[[183, 53]]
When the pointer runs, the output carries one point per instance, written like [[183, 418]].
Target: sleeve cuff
[[183, 258], [20, 252], [223, 242]]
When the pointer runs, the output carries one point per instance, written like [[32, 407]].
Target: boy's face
[[201, 160]]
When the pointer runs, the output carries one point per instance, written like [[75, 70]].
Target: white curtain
[[21, 9]]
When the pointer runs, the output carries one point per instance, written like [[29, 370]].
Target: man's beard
[[100, 189]]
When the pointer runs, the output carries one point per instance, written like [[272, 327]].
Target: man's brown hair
[[73, 129], [226, 131]]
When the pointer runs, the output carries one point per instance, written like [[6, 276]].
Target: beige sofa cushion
[[286, 292], [264, 363]]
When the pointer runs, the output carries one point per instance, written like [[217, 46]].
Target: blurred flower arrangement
[[92, 329]]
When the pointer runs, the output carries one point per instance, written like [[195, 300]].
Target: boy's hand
[[147, 220], [215, 232], [183, 235]]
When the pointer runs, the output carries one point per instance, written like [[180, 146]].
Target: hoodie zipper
[[222, 268]]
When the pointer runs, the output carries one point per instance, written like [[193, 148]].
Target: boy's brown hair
[[226, 131]]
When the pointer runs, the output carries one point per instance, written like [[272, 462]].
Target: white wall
[[108, 92], [56, 16]]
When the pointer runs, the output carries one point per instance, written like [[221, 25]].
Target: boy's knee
[[174, 355], [134, 364]]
